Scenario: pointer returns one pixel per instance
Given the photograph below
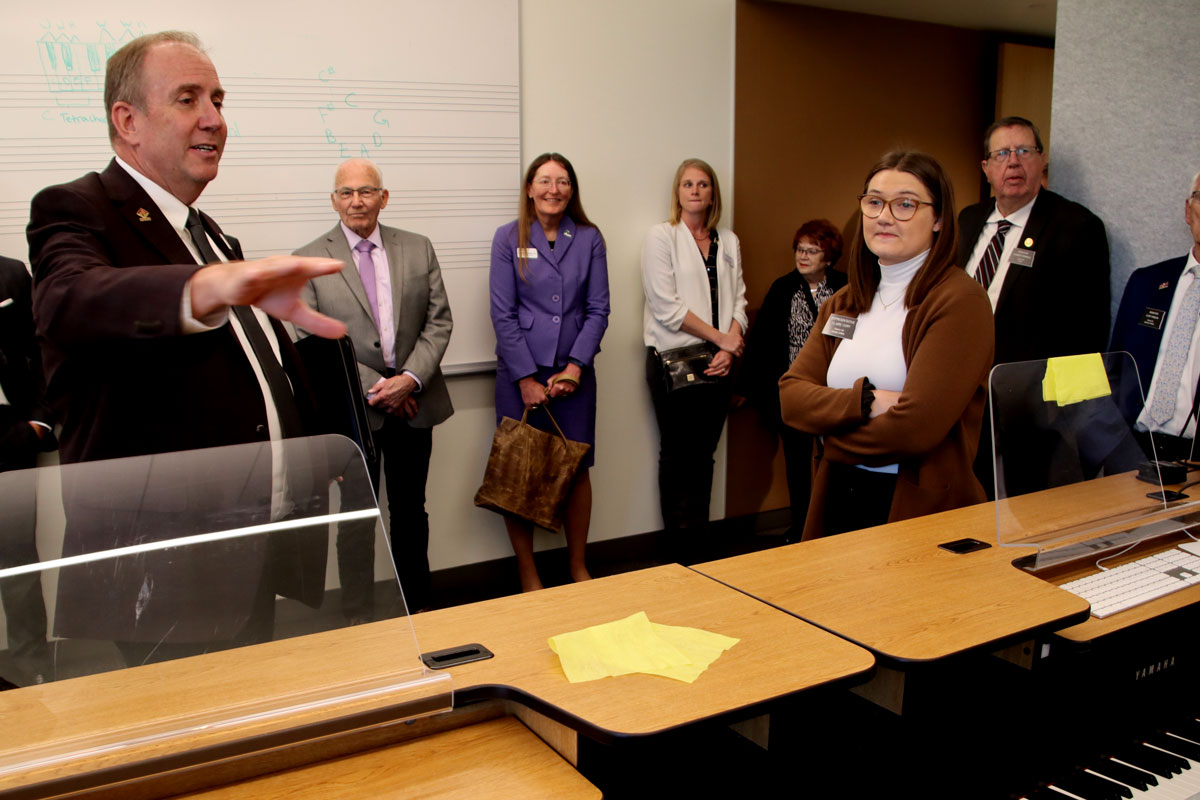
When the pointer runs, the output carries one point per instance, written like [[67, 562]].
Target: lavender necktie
[[366, 270]]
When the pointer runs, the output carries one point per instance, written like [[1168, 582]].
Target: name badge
[[1022, 257], [529, 253], [840, 326], [1153, 318]]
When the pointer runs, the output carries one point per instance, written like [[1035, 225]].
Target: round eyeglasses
[[902, 208]]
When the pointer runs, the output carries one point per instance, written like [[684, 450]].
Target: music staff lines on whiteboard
[[451, 255]]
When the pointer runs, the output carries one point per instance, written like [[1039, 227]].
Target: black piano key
[[1091, 788], [1176, 745], [1136, 778], [1164, 765]]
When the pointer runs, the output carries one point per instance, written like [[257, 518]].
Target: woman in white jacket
[[694, 320]]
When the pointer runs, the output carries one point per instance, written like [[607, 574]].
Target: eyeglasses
[[544, 183], [810, 251], [903, 208], [367, 193], [1022, 154]]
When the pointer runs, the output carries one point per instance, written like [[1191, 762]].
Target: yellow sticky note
[[635, 644], [1073, 379]]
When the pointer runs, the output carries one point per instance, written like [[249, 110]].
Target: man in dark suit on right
[[1044, 262], [1156, 324], [1042, 258]]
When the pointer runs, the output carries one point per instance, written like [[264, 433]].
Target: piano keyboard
[[1161, 767], [1137, 582]]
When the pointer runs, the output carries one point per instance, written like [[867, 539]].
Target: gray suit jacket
[[422, 322]]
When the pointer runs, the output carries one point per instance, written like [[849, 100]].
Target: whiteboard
[[429, 91]]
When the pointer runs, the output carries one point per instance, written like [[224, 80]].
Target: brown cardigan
[[932, 431]]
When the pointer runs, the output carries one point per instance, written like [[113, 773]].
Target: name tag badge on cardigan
[[1153, 318], [1022, 257], [839, 326], [529, 253]]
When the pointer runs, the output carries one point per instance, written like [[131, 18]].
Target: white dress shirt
[[1185, 394], [1012, 239]]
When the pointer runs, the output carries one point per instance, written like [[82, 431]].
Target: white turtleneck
[[877, 350]]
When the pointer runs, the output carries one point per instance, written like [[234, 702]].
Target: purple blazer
[[560, 309]]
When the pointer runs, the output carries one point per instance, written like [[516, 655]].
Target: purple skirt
[[575, 414]]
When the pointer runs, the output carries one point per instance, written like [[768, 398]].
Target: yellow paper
[[635, 644], [1073, 379]]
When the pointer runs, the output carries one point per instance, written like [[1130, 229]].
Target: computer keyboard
[[1137, 582]]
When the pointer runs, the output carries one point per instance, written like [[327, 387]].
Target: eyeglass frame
[[365, 192], [545, 182], [1023, 153], [811, 251], [891, 208]]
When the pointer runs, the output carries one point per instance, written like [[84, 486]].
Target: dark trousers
[[797, 459], [21, 596], [405, 452], [689, 426], [857, 498]]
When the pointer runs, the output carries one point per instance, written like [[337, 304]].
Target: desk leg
[[564, 740], [885, 689], [756, 730], [1020, 654]]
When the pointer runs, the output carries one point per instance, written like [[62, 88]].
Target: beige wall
[[626, 89]]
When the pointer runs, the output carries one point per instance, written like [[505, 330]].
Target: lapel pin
[[567, 234], [143, 215], [1164, 285], [1029, 241]]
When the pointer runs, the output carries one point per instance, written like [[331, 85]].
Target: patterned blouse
[[804, 313]]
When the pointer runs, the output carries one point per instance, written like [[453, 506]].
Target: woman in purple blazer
[[549, 301]]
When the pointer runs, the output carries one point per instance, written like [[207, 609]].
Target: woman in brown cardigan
[[895, 383]]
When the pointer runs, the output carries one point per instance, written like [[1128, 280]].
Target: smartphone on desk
[[968, 545]]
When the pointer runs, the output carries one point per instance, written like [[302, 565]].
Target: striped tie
[[991, 256]]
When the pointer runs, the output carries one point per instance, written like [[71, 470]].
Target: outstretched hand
[[273, 284]]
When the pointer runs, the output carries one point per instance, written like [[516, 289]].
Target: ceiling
[[1030, 17]]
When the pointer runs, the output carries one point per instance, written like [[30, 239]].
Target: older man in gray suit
[[396, 313]]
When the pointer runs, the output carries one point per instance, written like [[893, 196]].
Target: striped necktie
[[991, 256]]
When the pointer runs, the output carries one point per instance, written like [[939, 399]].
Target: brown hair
[[714, 211], [526, 215], [123, 74], [862, 265], [1009, 122], [827, 237]]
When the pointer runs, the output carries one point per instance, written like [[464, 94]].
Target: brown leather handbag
[[530, 472]]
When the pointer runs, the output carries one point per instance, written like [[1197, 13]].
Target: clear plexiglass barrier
[[1066, 428], [197, 599]]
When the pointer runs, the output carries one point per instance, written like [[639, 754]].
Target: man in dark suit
[[142, 352], [1156, 324], [24, 432], [1047, 270], [155, 336], [1044, 262], [394, 305]]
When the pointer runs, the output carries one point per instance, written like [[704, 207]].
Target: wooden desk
[[494, 760], [893, 591], [524, 670]]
